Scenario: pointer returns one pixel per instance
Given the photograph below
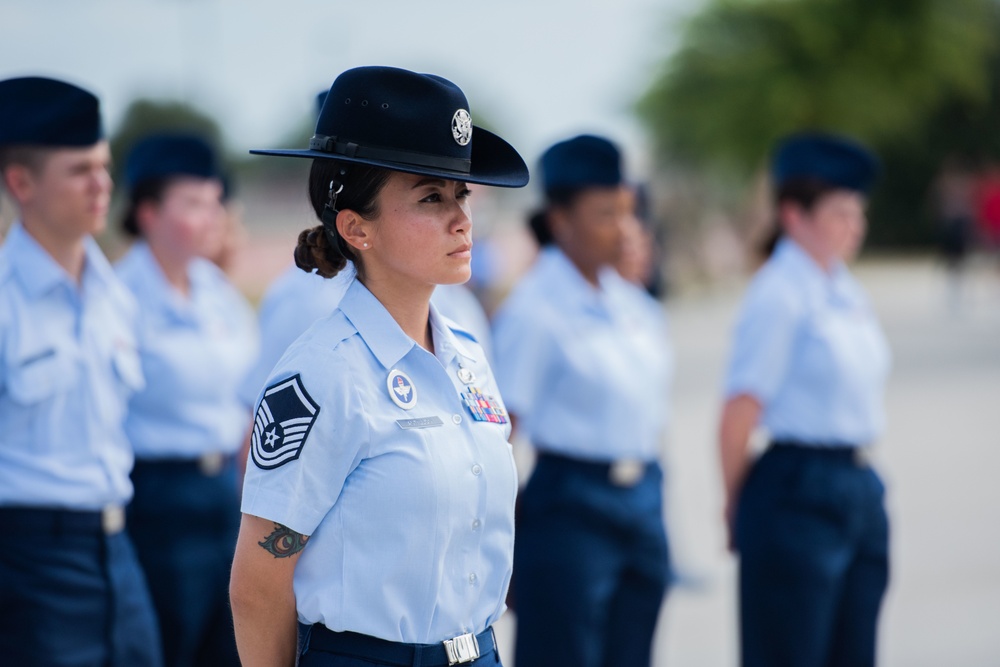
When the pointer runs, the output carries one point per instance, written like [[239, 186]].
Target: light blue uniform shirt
[[410, 511], [297, 299], [68, 365], [585, 370], [809, 348], [195, 351]]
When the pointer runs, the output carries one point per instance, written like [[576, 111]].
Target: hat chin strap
[[330, 144], [329, 218]]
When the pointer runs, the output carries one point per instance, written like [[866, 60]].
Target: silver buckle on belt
[[626, 472], [210, 464], [113, 519], [463, 648]]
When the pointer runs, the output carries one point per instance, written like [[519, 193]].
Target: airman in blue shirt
[[809, 365], [72, 590], [584, 366], [379, 496], [197, 340]]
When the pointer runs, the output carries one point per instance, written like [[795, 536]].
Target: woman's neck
[[409, 305], [175, 270], [589, 271]]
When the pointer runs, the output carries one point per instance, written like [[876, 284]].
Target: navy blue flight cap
[[405, 121], [37, 111], [581, 162], [834, 159], [167, 155]]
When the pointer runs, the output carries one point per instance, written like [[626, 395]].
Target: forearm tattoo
[[284, 542]]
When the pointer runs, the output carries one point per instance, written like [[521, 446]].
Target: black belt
[[109, 521], [367, 647], [854, 454], [625, 472], [209, 465]]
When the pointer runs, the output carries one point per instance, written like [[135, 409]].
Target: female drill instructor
[[584, 364], [809, 363], [378, 501], [197, 339]]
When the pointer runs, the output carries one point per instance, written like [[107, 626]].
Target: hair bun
[[314, 252]]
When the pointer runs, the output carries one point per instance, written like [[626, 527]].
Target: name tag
[[422, 422]]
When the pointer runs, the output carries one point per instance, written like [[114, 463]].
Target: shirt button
[[476, 469], [475, 524], [457, 418], [473, 578]]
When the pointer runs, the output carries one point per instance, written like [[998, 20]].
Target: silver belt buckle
[[461, 649], [113, 519], [862, 457], [210, 464], [626, 472]]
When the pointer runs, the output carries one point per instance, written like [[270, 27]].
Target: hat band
[[328, 144]]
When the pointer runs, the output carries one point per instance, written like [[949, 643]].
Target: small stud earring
[[366, 245]]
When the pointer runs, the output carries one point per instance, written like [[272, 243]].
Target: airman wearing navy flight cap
[[197, 339], [809, 365], [584, 363], [71, 590]]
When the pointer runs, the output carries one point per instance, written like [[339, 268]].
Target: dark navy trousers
[[70, 595], [813, 542], [591, 566], [184, 524]]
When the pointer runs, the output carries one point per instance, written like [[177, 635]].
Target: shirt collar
[[446, 343], [165, 294], [836, 280], [381, 333], [560, 276], [40, 273]]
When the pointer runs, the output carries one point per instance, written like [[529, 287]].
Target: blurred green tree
[[749, 71]]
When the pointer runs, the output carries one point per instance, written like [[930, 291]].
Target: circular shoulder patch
[[284, 417], [402, 391], [461, 127]]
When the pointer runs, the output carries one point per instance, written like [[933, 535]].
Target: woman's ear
[[790, 215], [355, 230], [559, 224], [146, 217]]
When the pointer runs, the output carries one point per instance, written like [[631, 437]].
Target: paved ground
[[940, 459]]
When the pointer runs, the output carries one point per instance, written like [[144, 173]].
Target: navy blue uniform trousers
[[184, 525], [813, 542], [70, 595], [591, 566]]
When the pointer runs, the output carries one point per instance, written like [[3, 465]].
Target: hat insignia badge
[[461, 127]]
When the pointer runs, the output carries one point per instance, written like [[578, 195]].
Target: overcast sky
[[541, 70]]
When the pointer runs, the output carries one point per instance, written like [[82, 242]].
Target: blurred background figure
[[809, 364], [641, 256], [988, 208], [197, 340], [71, 589], [954, 205], [233, 235], [584, 367]]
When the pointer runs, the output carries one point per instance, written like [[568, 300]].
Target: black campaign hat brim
[[493, 162]]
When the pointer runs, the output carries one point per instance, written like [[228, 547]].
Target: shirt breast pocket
[[43, 377]]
